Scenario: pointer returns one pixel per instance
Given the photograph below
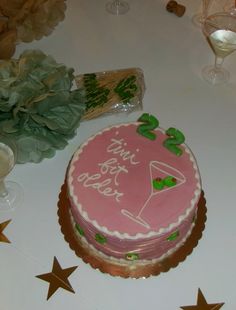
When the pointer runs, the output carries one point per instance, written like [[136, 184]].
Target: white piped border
[[122, 261]]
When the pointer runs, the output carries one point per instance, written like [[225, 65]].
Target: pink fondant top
[[110, 182]]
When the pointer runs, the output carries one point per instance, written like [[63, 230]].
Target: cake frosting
[[131, 199]]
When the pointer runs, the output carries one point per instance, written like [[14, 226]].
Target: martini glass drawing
[[161, 170], [11, 193], [117, 7], [220, 31]]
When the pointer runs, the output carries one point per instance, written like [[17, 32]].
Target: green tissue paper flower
[[38, 109]]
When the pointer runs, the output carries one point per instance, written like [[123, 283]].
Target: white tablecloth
[[171, 51]]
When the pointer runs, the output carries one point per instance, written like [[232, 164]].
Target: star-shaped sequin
[[202, 304], [58, 278], [3, 238]]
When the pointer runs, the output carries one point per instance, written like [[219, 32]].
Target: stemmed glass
[[11, 193], [117, 7], [199, 18], [220, 31]]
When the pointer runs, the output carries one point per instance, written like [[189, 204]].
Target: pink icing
[[105, 185]]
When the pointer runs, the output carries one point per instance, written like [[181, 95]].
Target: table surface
[[171, 51]]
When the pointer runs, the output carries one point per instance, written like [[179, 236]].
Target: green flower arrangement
[[38, 109]]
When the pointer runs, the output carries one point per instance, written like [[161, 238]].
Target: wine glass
[[117, 7], [199, 18], [11, 193], [220, 31]]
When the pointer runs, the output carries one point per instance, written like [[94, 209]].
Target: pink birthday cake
[[133, 194]]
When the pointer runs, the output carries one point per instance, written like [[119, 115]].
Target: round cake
[[132, 199]]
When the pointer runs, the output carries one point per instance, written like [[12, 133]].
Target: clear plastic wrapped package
[[112, 91]]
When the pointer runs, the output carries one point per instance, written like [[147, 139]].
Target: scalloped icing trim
[[118, 234], [124, 262]]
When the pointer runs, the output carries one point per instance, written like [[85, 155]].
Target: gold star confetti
[[202, 304], [58, 278], [3, 225]]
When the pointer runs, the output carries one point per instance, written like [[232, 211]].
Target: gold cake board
[[113, 269]]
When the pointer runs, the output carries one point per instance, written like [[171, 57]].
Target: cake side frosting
[[113, 190], [133, 258]]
